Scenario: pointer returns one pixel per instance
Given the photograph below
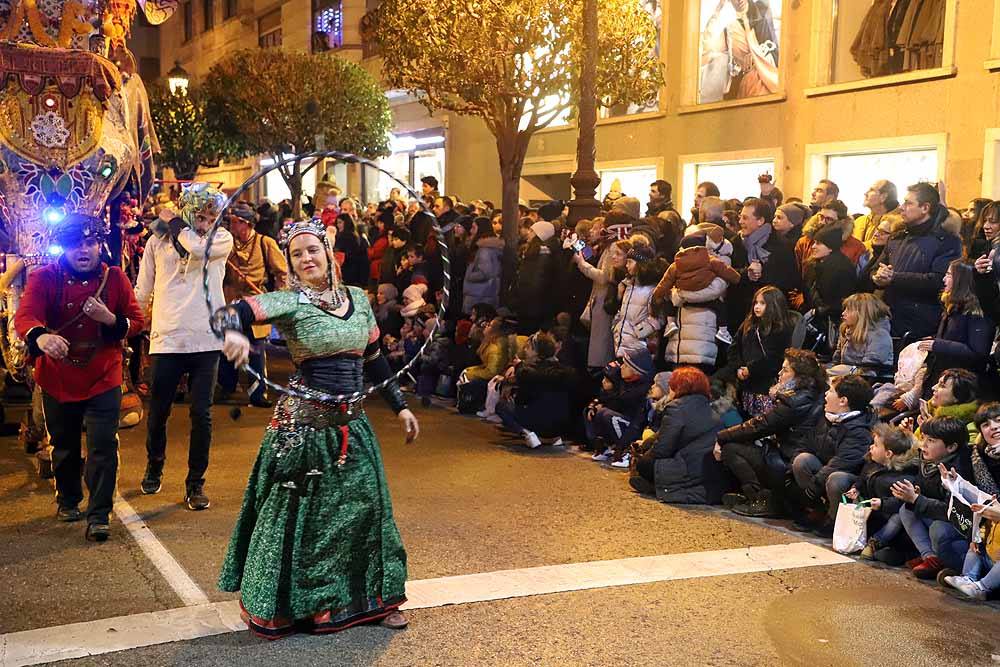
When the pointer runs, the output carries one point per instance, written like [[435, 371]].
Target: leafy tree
[[187, 141], [518, 70], [275, 102]]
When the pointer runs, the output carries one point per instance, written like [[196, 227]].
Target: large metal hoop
[[314, 394]]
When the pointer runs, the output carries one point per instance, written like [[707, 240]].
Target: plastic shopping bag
[[850, 532]]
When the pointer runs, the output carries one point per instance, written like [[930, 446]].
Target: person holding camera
[[74, 315]]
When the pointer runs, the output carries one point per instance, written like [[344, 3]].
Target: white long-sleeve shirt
[[180, 321]]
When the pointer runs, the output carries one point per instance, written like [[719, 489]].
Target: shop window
[[208, 14], [631, 182], [328, 26], [413, 157], [547, 108], [735, 174], [991, 164], [269, 30], [855, 166], [655, 10], [733, 54], [869, 40], [277, 190], [188, 22]]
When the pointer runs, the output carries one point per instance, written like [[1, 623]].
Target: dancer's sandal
[[395, 621]]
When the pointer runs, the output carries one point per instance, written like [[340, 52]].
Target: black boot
[[731, 500], [151, 481], [761, 507]]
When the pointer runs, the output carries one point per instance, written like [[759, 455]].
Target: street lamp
[[177, 79], [586, 179]]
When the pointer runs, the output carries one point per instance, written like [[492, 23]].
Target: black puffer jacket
[[685, 471], [876, 480], [761, 353], [933, 499], [536, 278], [792, 421], [543, 394], [841, 446]]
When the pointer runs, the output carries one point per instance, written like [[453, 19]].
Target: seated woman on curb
[[677, 464], [788, 425]]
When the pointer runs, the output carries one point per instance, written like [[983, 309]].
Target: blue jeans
[[978, 563], [507, 412], [616, 430], [889, 531], [934, 537], [837, 485]]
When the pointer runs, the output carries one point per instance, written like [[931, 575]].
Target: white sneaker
[[722, 335], [531, 440], [623, 462], [968, 587], [558, 442], [493, 419], [602, 456], [483, 414], [670, 330]]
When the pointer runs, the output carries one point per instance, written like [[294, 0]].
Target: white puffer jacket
[[694, 342], [634, 322]]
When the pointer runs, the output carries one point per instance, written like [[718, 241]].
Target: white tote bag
[[850, 532]]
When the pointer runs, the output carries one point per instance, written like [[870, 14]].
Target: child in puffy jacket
[[703, 261]]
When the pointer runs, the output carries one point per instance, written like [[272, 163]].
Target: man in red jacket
[[74, 315]]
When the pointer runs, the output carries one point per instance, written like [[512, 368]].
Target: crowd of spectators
[[776, 356]]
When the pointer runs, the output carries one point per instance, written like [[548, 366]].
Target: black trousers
[[65, 424], [201, 368], [746, 462]]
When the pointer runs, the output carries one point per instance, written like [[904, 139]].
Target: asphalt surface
[[469, 500]]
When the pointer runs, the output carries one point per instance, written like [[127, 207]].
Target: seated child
[[615, 418], [892, 457]]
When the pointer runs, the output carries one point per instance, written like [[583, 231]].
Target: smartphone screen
[[587, 252]]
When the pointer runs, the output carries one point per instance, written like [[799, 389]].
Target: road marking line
[[32, 647], [174, 574]]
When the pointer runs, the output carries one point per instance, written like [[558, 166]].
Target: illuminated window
[[854, 174], [549, 103], [736, 179], [328, 28], [654, 9], [634, 181], [413, 157]]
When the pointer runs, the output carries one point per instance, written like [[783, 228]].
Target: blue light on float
[[54, 250], [53, 215]]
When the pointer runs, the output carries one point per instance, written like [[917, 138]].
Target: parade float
[[75, 134]]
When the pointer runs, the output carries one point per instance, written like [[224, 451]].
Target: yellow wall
[[962, 106]]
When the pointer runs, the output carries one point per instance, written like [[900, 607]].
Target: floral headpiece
[[200, 198], [314, 226]]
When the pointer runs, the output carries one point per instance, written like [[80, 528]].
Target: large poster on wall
[[739, 49]]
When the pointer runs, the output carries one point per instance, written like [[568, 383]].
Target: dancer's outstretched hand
[[410, 425], [236, 348]]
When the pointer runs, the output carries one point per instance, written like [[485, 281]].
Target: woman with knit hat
[[788, 221], [534, 293]]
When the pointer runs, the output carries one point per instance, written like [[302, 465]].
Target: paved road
[[469, 501]]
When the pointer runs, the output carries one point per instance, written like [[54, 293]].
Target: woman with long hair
[[864, 333], [355, 267], [786, 428], [759, 347], [965, 335], [985, 232], [484, 268], [603, 302]]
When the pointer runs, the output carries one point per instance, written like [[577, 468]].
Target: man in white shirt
[[181, 338]]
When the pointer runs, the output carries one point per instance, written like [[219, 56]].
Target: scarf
[[981, 472], [790, 387], [838, 417], [754, 243]]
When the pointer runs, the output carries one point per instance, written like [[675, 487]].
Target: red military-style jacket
[[53, 297]]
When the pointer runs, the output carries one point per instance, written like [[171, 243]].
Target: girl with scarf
[[315, 547]]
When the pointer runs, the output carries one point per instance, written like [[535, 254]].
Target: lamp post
[[586, 179], [177, 79]]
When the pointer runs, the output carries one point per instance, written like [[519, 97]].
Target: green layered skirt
[[315, 547]]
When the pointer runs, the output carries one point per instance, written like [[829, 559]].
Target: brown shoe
[[395, 621]]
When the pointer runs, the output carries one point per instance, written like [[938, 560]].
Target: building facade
[[852, 91]]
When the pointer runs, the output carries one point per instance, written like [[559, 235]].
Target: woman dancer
[[315, 547]]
